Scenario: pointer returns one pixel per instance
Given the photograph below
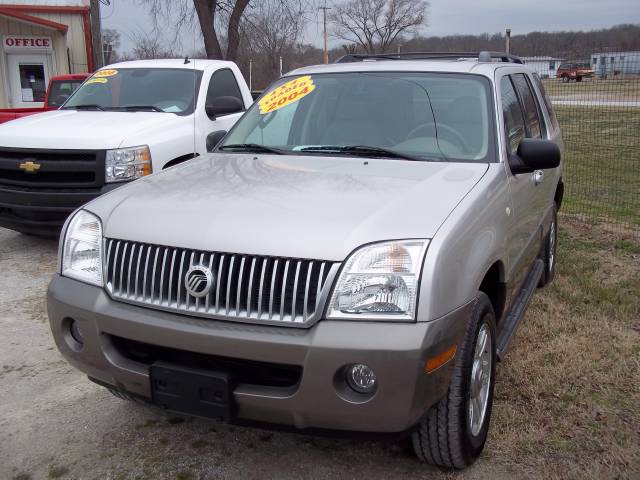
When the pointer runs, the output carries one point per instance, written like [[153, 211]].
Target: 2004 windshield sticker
[[111, 72], [287, 93]]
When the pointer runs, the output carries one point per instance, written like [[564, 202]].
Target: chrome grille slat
[[229, 277], [239, 292], [173, 262], [250, 286], [284, 291], [260, 287], [306, 292], [265, 289], [201, 262], [295, 291], [273, 284], [220, 267], [188, 297]]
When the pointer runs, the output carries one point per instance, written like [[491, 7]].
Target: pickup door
[[223, 83], [523, 119]]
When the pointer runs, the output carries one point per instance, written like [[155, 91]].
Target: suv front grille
[[284, 291], [51, 168]]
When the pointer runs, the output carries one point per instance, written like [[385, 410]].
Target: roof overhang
[[25, 17]]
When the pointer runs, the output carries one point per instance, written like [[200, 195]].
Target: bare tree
[[212, 15], [377, 24], [149, 46], [271, 30]]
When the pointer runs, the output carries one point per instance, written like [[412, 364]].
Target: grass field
[[628, 89], [602, 164], [567, 397]]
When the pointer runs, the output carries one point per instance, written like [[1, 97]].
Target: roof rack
[[483, 56]]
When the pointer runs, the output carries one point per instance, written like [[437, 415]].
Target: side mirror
[[213, 139], [224, 106], [534, 154]]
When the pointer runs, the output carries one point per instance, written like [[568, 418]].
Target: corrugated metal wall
[[73, 42]]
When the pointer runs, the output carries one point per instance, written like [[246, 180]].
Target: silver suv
[[355, 255]]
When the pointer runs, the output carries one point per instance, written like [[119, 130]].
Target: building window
[[595, 61], [552, 65], [613, 59]]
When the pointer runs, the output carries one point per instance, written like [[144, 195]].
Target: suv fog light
[[361, 378], [76, 333]]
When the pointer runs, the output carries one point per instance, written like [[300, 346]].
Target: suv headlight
[[82, 249], [124, 164], [379, 282]]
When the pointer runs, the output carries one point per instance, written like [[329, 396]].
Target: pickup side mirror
[[223, 106], [213, 139], [534, 154]]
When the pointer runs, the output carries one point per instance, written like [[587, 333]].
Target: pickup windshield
[[402, 115], [171, 90]]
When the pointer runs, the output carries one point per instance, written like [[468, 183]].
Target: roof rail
[[483, 56]]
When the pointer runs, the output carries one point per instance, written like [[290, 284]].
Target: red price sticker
[[286, 94]]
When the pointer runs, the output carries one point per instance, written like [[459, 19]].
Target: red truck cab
[[59, 89]]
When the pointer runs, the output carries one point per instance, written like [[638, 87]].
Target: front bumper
[[42, 211], [397, 352]]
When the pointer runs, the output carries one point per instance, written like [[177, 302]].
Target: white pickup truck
[[126, 121]]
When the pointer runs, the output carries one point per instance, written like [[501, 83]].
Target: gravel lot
[[57, 424]]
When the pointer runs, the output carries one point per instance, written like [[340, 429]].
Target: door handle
[[537, 177]]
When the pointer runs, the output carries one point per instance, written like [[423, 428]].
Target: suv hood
[[91, 130], [290, 206]]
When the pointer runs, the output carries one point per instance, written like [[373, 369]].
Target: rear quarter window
[[547, 103]]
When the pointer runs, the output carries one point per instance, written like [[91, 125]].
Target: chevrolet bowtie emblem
[[30, 167]]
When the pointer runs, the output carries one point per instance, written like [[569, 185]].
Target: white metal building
[[616, 63], [546, 67], [41, 39]]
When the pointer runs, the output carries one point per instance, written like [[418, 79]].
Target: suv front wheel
[[454, 431]]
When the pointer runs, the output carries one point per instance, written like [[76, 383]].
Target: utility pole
[[96, 34], [324, 21], [508, 41]]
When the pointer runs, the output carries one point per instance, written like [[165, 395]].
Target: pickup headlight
[[82, 249], [124, 164], [379, 282]]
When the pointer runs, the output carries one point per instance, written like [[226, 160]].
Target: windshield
[[424, 116], [61, 90], [153, 89]]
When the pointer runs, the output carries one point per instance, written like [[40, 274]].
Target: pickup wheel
[[549, 253], [454, 431]]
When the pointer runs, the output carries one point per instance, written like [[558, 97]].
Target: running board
[[511, 322]]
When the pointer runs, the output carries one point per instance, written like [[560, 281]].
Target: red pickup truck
[[60, 87]]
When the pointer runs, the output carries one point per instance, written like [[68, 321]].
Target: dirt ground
[[567, 398]]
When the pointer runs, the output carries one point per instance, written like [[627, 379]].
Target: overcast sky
[[446, 17]]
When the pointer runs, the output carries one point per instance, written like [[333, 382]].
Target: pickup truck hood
[[291, 206], [91, 130]]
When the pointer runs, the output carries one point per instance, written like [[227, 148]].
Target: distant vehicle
[[60, 89], [574, 71], [356, 254], [128, 120]]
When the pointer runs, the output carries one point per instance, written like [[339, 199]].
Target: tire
[[548, 254], [578, 79], [565, 79], [445, 437]]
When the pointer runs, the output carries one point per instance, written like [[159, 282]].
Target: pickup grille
[[283, 291], [54, 168]]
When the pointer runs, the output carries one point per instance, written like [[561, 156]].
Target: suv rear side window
[[223, 84], [547, 102], [531, 112], [513, 117]]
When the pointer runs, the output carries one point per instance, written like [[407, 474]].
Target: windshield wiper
[[88, 106], [364, 150], [135, 108], [252, 147]]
